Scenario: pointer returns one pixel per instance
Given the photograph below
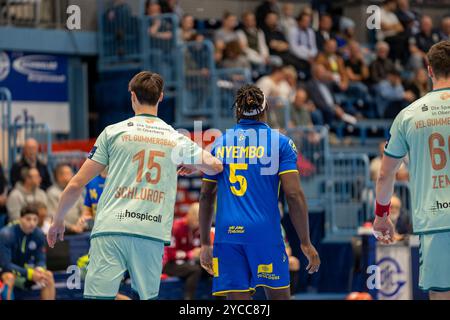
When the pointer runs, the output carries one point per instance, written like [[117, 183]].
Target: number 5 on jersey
[[241, 180]]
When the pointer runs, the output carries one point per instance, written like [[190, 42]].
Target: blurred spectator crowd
[[310, 59]]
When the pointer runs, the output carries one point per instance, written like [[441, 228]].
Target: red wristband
[[381, 210]]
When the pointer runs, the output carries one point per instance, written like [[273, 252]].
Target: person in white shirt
[[302, 39], [287, 20], [392, 31]]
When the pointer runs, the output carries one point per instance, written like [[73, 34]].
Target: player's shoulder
[[419, 105], [286, 141], [119, 125]]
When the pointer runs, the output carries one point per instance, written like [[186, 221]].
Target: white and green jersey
[[142, 154], [422, 131]]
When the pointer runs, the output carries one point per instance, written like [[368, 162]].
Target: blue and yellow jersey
[[254, 158], [21, 253], [94, 190]]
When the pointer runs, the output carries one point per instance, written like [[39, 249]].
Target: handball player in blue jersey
[[248, 247]]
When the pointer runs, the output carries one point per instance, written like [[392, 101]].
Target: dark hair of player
[[250, 99], [439, 59], [147, 86]]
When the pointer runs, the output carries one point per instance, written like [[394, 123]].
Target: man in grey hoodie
[[25, 192]]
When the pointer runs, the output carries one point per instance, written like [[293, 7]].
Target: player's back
[[140, 189], [422, 131], [254, 156]]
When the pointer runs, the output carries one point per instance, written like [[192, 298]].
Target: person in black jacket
[[30, 160]]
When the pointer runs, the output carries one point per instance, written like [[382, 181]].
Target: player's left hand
[[313, 257], [383, 229], [55, 232]]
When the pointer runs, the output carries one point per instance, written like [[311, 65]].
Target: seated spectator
[[279, 46], [45, 220], [324, 32], [63, 173], [6, 286], [408, 18], [94, 190], [277, 90], [420, 43], [392, 96], [321, 94], [302, 39], [287, 20], [3, 190], [22, 252], [444, 32], [233, 56], [392, 31], [303, 111], [271, 84], [400, 219], [30, 159], [25, 192], [379, 68], [182, 258], [358, 74], [264, 9], [227, 32], [334, 64], [346, 34], [187, 31], [253, 42], [420, 84], [172, 6], [356, 68], [159, 28]]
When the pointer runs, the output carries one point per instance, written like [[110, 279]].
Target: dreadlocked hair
[[248, 99]]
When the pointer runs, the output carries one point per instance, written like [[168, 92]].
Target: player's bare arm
[[70, 196], [298, 213], [207, 197], [383, 226], [209, 165]]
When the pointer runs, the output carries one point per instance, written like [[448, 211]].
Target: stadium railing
[[279, 112], [197, 97], [120, 37], [5, 125], [33, 13], [227, 83], [74, 159], [351, 190], [315, 165], [364, 127], [161, 47], [23, 128]]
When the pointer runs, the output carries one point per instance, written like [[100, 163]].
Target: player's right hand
[[55, 232], [313, 258], [206, 258], [384, 229]]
